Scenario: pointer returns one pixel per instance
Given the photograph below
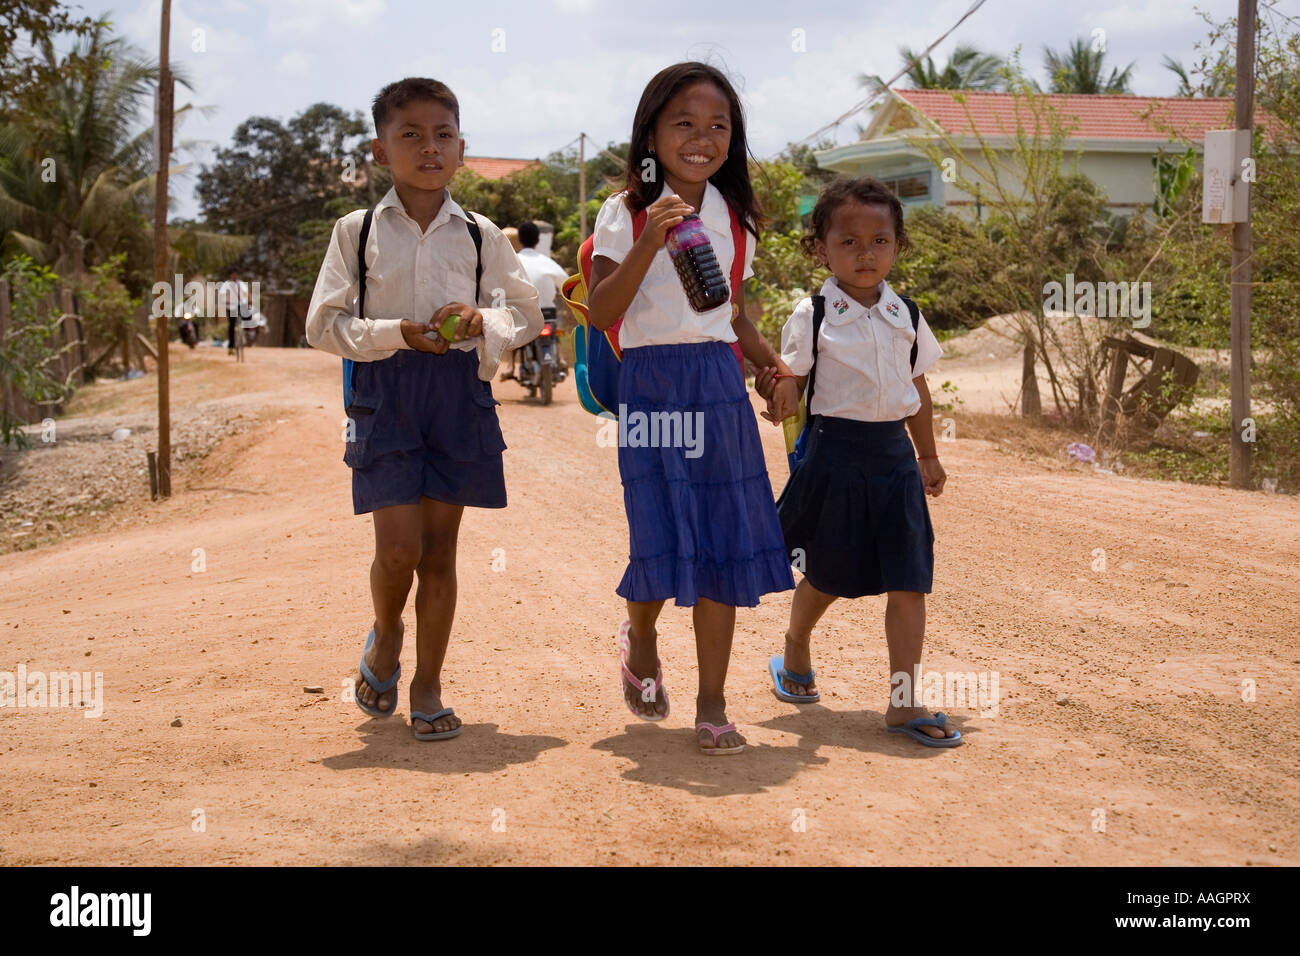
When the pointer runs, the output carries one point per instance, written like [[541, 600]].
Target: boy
[[424, 440]]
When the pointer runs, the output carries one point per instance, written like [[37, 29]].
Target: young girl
[[854, 510], [701, 519]]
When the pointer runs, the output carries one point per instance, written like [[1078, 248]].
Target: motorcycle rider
[[544, 273]]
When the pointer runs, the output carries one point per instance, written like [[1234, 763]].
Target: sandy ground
[[1126, 730]]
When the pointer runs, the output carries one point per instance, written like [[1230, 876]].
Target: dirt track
[[1121, 690]]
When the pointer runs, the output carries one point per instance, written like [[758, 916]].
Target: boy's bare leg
[[397, 552], [905, 632], [714, 625], [643, 654], [806, 610], [435, 609]]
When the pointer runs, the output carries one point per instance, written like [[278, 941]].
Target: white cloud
[[294, 63]]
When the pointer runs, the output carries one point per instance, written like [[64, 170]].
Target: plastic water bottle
[[697, 265]]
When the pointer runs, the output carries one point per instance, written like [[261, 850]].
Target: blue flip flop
[[429, 719], [938, 720], [776, 667], [379, 687]]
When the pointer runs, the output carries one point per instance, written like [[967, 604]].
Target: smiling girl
[[702, 525]]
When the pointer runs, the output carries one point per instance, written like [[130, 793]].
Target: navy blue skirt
[[854, 514], [425, 426], [700, 514]]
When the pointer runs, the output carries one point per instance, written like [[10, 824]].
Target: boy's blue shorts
[[425, 426]]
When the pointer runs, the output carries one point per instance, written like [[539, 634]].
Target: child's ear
[[377, 151], [460, 159]]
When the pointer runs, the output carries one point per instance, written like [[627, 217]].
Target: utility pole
[[162, 159], [582, 187], [1239, 465]]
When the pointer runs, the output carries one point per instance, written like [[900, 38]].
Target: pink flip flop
[[715, 731], [627, 677]]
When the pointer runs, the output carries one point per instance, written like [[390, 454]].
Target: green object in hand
[[448, 330]]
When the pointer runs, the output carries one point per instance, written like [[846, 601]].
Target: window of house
[[910, 187]]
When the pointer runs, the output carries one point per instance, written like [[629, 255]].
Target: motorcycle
[[540, 364], [189, 331]]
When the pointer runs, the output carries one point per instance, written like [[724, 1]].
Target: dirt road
[[1147, 712]]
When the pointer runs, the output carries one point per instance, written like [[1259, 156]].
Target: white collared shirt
[[863, 355], [411, 275], [544, 273], [660, 313], [232, 298]]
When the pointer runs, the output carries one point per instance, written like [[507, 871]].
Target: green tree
[[27, 25], [968, 68], [1215, 79], [31, 344], [1081, 69], [274, 177], [76, 180]]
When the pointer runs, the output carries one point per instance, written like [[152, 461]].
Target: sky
[[531, 75]]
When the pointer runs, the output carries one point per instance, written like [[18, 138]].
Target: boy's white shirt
[[544, 273], [863, 355], [660, 313], [410, 275], [231, 293]]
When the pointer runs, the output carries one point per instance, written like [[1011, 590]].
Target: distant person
[[544, 273], [425, 441], [232, 298]]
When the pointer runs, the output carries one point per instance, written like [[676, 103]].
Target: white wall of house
[[1123, 170]]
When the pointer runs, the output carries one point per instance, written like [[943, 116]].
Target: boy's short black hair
[[396, 95], [232, 271], [529, 234], [846, 189]]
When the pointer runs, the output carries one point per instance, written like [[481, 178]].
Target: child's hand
[[932, 476], [469, 326], [783, 402], [414, 334], [765, 381], [661, 215]]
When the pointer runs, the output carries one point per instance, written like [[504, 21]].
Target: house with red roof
[[494, 167], [1113, 139]]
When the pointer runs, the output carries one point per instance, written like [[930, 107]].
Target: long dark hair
[[732, 180]]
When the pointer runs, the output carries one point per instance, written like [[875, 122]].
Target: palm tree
[[1217, 80], [76, 180], [1081, 69], [968, 68]]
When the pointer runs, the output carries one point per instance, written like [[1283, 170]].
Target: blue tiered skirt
[[701, 517]]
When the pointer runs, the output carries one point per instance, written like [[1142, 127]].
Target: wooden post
[[1031, 405], [582, 187], [1239, 464], [152, 458], [1114, 394], [162, 159]]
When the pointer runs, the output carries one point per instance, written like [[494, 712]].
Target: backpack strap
[[914, 311], [740, 247], [361, 260], [476, 234], [819, 313], [348, 364]]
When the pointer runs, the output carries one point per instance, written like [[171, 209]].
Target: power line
[[884, 87]]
